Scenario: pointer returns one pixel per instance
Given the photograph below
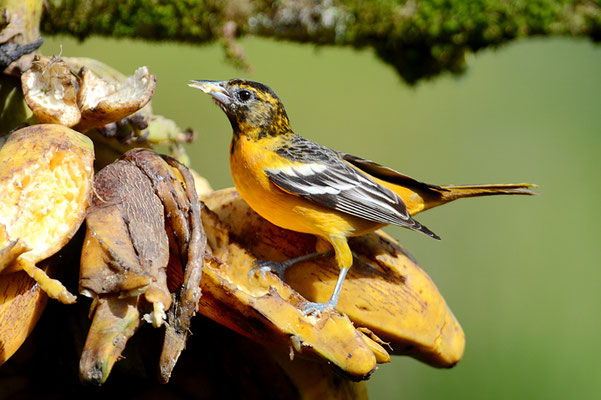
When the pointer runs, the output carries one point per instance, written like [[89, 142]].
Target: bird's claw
[[263, 266], [316, 308]]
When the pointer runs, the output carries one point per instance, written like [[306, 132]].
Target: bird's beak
[[216, 89]]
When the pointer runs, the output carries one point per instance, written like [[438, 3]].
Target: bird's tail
[[419, 196], [448, 193], [454, 192]]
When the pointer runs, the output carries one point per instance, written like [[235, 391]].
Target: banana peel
[[115, 322], [273, 317], [102, 102], [144, 219], [112, 109], [45, 181], [385, 292], [21, 305], [50, 90], [268, 310], [56, 93]]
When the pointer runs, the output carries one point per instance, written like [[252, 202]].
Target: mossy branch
[[418, 38]]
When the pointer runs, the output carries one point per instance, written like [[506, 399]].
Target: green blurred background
[[521, 274]]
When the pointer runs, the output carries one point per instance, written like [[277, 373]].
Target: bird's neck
[[258, 136], [260, 132]]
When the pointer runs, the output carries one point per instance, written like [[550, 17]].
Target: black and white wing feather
[[319, 174]]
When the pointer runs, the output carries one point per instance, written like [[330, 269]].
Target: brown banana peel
[[115, 321], [144, 218], [385, 291], [45, 182]]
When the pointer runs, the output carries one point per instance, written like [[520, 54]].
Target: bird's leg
[[279, 268], [318, 308], [344, 259]]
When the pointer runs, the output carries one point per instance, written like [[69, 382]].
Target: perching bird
[[303, 186]]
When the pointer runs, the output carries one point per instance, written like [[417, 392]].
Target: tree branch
[[418, 38]]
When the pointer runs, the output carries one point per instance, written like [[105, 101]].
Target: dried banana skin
[[141, 260]]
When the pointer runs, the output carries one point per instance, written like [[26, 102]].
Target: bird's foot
[[317, 308], [264, 266], [280, 268]]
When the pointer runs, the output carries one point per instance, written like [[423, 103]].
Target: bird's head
[[251, 107]]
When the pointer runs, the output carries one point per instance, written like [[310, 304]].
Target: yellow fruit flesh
[[31, 208], [45, 181]]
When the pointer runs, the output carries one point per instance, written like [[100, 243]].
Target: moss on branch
[[418, 38]]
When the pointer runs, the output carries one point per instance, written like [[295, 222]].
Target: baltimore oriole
[[303, 186]]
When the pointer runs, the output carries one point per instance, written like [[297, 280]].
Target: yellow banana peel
[[385, 291], [45, 182], [272, 315], [21, 304]]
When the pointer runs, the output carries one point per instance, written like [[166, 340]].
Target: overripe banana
[[386, 291], [45, 182], [144, 220]]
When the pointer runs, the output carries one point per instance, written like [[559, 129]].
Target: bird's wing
[[319, 174], [389, 174]]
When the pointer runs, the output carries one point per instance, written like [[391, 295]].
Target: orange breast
[[247, 162]]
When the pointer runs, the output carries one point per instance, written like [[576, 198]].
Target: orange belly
[[284, 209]]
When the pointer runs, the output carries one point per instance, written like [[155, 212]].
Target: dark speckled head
[[251, 107]]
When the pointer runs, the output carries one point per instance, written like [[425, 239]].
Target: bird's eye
[[244, 95]]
